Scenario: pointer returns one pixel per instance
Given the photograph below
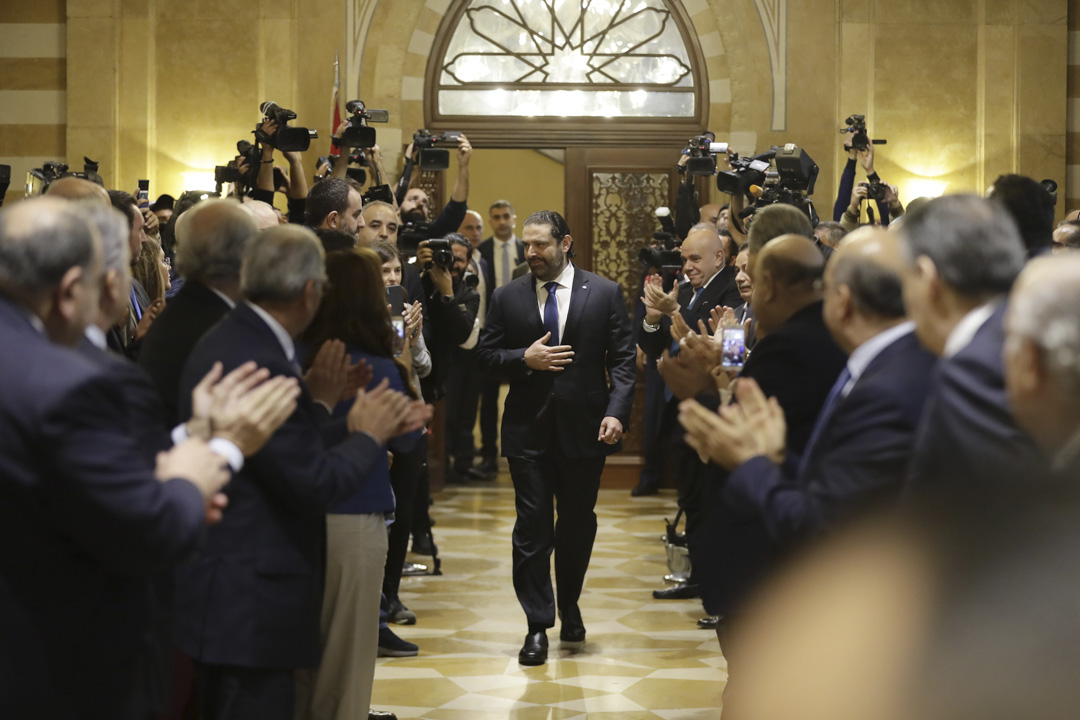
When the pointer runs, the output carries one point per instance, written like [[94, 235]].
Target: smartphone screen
[[733, 348], [395, 296], [144, 191], [399, 335]]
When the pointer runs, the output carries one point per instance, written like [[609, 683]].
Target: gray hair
[[1047, 311], [776, 220], [973, 243], [113, 228], [280, 262], [876, 290], [40, 240], [211, 240]]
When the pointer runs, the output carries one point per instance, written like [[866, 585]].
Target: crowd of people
[[215, 425]]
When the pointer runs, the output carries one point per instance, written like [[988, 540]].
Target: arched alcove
[[580, 72]]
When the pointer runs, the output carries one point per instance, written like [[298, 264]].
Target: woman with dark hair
[[354, 311]]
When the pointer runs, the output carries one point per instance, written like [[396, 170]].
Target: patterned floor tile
[[641, 656]]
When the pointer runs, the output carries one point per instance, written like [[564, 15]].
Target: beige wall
[[529, 180], [963, 90]]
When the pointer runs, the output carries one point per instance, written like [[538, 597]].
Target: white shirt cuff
[[225, 448]]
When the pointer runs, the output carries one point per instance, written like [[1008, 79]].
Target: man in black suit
[[860, 446], [248, 607], [1042, 349], [962, 255], [501, 253], [554, 335], [710, 284], [210, 247], [84, 520]]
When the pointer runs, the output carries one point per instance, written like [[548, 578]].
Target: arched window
[[560, 67]]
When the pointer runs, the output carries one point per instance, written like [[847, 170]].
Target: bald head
[[211, 238], [472, 228], [863, 292], [702, 254], [709, 213], [73, 188], [262, 212], [787, 278]]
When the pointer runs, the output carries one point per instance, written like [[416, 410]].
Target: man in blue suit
[[557, 335], [860, 446], [248, 607], [84, 520], [962, 254]]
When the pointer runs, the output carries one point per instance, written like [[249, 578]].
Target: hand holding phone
[[733, 346]]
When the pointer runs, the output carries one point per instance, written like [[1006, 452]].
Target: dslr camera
[[286, 139], [860, 140], [39, 179], [702, 152], [231, 173], [441, 253], [434, 156], [875, 189]]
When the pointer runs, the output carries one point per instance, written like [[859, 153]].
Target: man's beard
[[546, 271], [414, 215]]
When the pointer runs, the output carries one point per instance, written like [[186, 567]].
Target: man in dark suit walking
[[248, 607], [501, 253], [962, 255], [557, 335]]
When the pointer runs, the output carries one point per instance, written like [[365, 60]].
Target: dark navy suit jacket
[[722, 291], [253, 596], [487, 254], [797, 364], [860, 457], [563, 410], [84, 522], [967, 438], [169, 341]]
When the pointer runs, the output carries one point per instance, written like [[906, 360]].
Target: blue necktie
[[696, 296], [551, 313], [833, 399]]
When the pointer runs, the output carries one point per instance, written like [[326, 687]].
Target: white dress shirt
[[562, 297], [653, 328], [964, 332], [509, 248]]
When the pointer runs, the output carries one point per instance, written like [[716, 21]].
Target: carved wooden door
[[611, 195]]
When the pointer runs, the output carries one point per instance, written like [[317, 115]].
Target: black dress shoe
[[534, 651], [573, 628], [377, 715], [486, 469], [709, 622], [682, 591], [645, 488]]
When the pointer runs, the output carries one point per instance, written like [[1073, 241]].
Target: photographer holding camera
[[860, 147], [295, 182], [413, 203]]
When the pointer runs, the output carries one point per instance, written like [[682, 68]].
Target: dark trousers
[[404, 478], [463, 384], [540, 485], [690, 482], [653, 434], [239, 693], [421, 519], [489, 417]]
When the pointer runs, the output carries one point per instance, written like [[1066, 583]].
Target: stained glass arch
[[552, 64]]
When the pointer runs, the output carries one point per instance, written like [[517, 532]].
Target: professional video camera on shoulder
[[860, 140], [792, 182], [434, 157], [745, 172], [410, 235], [285, 139], [702, 151], [663, 253], [39, 179]]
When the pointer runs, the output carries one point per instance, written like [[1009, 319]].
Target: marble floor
[[643, 658]]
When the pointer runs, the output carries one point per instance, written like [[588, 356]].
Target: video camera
[[745, 172], [410, 235], [359, 134], [663, 253], [702, 151], [231, 173], [791, 182], [856, 125], [39, 179], [285, 139], [433, 155]]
